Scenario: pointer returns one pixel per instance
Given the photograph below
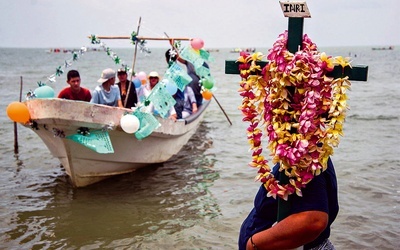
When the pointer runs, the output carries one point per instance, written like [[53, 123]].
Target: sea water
[[199, 198]]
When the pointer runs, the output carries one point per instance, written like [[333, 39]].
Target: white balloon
[[130, 123]]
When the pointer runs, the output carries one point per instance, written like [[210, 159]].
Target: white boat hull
[[56, 118]]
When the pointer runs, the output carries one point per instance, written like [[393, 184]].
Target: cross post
[[296, 12]]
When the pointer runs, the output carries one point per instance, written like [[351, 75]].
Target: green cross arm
[[355, 73]]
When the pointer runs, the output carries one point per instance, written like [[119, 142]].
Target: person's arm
[[180, 59], [293, 231], [88, 96], [172, 114], [95, 98], [118, 96], [192, 98], [194, 107]]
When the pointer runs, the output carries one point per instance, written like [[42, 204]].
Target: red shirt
[[83, 95]]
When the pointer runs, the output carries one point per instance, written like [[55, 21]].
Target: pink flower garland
[[301, 109]]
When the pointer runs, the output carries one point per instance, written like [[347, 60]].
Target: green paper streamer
[[98, 141], [161, 99], [178, 75], [148, 123]]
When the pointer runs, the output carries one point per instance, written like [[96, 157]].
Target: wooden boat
[[91, 141], [54, 119]]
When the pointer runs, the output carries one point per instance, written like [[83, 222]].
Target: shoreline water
[[198, 199]]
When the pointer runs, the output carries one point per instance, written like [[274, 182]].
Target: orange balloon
[[207, 95], [18, 112], [143, 81]]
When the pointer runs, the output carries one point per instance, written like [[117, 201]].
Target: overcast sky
[[220, 23]]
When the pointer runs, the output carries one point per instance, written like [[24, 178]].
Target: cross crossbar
[[355, 73], [295, 36]]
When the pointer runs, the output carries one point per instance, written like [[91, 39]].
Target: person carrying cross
[[295, 114], [299, 97]]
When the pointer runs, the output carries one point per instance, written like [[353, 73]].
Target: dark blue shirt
[[320, 194]]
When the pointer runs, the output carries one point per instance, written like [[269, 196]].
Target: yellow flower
[[339, 60], [328, 60], [257, 56]]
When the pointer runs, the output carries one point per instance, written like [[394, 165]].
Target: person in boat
[[75, 91], [145, 90], [127, 89], [107, 93], [172, 55], [190, 104], [179, 96]]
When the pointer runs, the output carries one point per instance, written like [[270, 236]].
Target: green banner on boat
[[148, 123], [192, 56], [98, 141], [198, 59], [161, 99], [178, 75]]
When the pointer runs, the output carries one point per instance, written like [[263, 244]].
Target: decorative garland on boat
[[117, 60], [48, 92], [301, 109], [141, 43], [60, 69], [76, 55]]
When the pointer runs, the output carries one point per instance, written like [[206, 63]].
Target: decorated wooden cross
[[296, 12]]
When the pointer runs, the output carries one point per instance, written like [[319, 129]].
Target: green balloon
[[207, 83]]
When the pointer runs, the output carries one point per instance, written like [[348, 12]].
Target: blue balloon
[[44, 92], [137, 82], [171, 87]]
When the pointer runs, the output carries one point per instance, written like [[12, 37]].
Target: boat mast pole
[[133, 63], [136, 45], [16, 147]]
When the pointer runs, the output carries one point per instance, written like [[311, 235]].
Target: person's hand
[[194, 108], [171, 41], [173, 117]]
